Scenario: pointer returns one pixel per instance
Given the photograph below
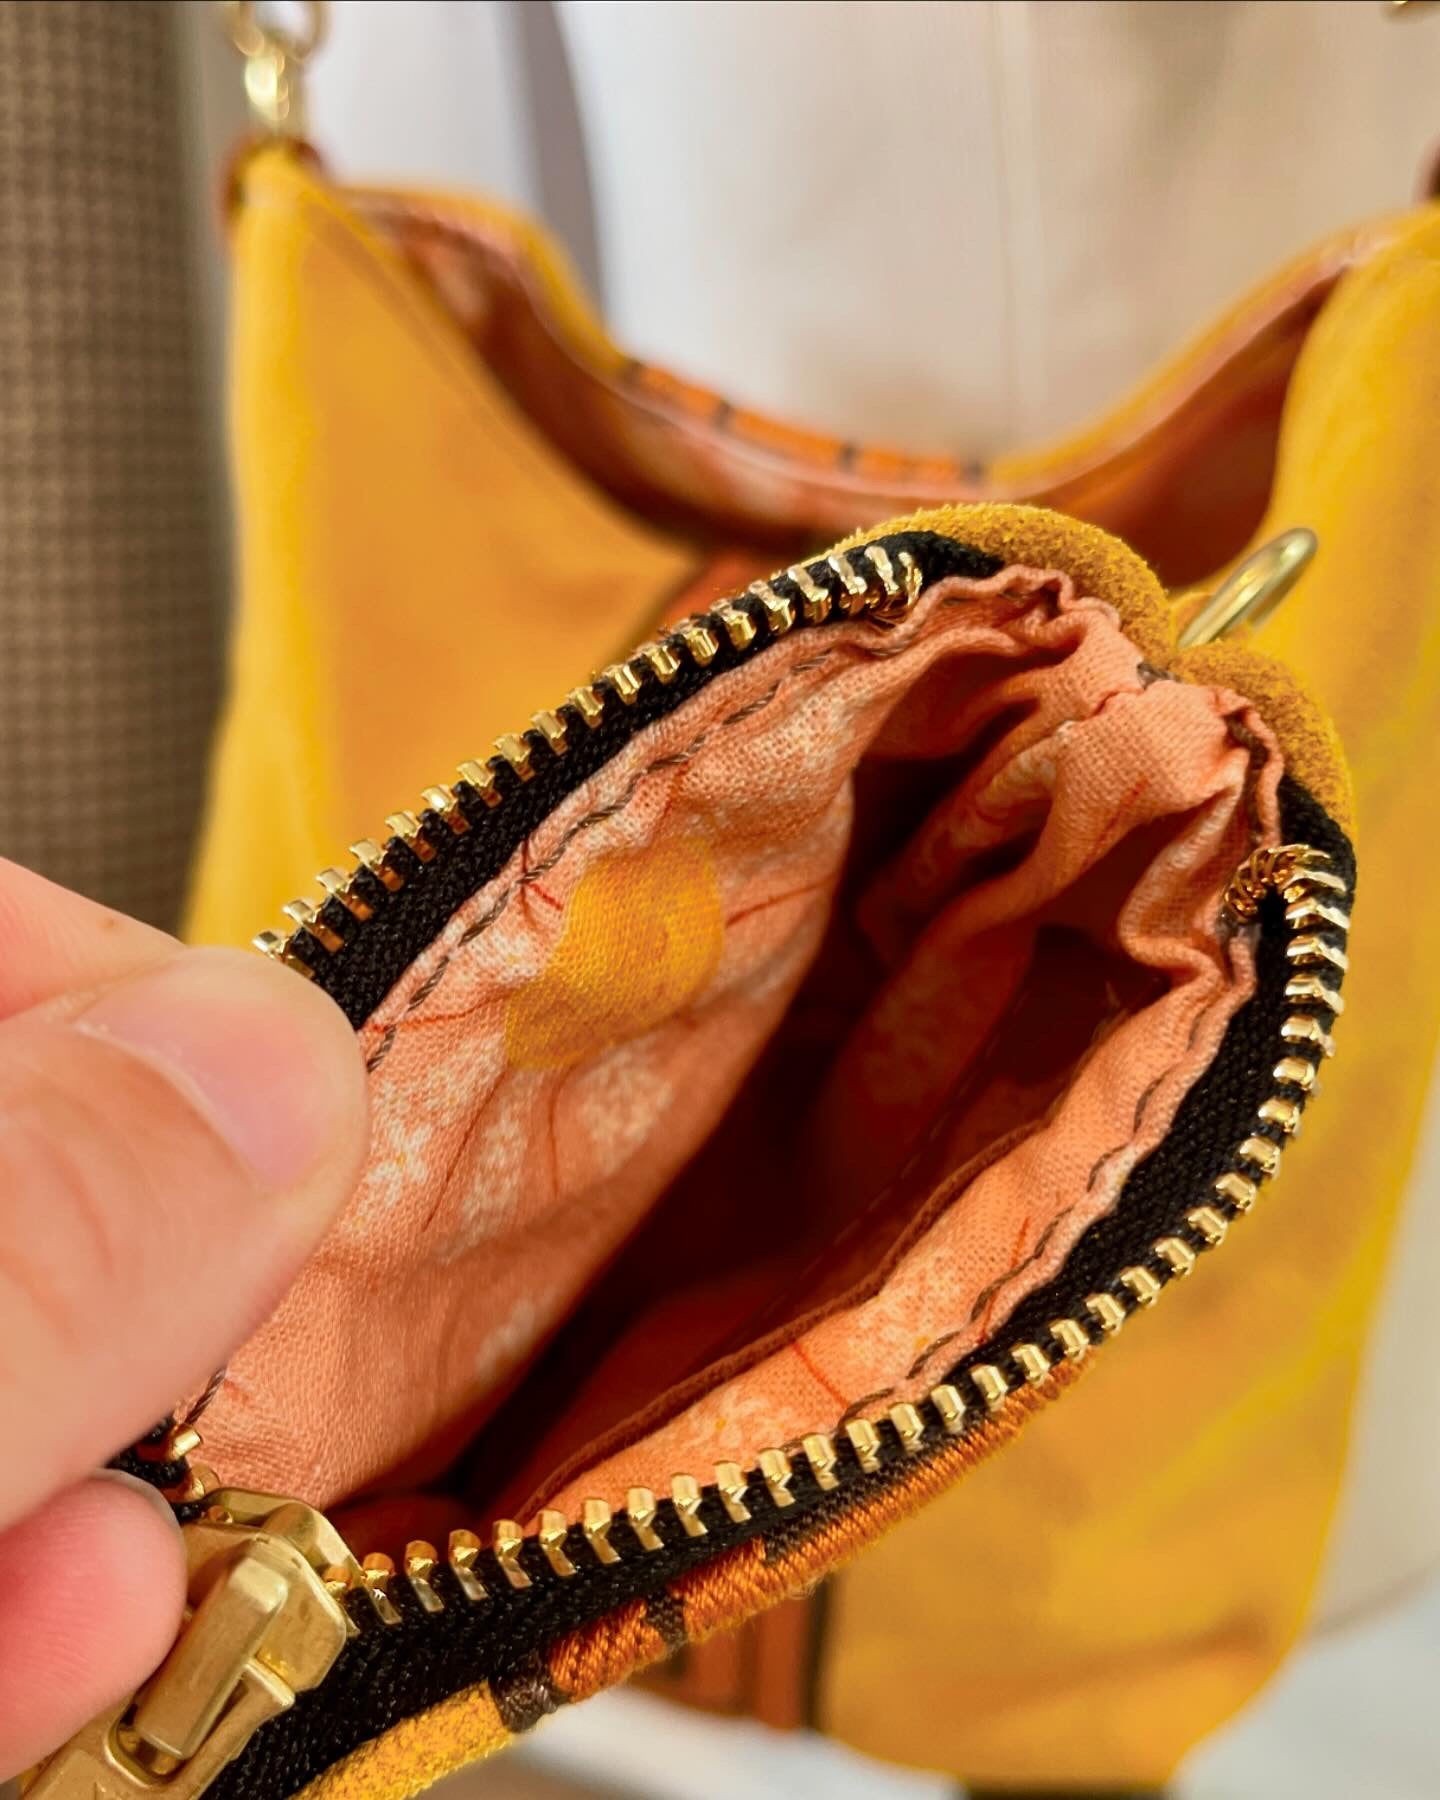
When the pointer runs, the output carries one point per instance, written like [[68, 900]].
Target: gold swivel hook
[[275, 52]]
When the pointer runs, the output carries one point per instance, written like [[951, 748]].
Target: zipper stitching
[[369, 923]]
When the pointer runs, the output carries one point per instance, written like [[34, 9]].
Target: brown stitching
[[665, 1615], [856, 1407], [1146, 1097], [946, 1337], [1259, 755], [988, 1293]]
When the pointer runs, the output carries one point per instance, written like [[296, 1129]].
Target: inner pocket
[[796, 1046]]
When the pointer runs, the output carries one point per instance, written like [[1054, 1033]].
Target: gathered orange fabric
[[560, 1052]]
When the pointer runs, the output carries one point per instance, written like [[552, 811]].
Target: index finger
[[56, 942]]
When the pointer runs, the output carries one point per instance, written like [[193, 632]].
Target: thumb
[[171, 1147]]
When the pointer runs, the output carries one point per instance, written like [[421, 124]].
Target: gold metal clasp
[[1253, 589], [274, 56], [261, 1627]]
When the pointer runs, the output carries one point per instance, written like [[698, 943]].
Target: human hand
[[177, 1128]]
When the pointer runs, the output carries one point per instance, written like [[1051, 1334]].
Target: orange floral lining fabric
[[556, 1057]]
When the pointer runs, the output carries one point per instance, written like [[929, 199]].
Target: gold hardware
[[991, 1383], [274, 57], [1288, 869], [730, 1479], [281, 949], [779, 613], [303, 916], [1107, 1312], [814, 599], [376, 1573], [1253, 589], [1311, 988], [179, 1442], [1146, 1288], [1210, 1224], [878, 558], [899, 596], [462, 1552], [865, 1442], [340, 886], [1312, 952], [589, 705], [777, 1473], [507, 1541], [665, 663], [686, 1496], [1300, 1028], [1239, 1190], [1264, 1153], [420, 1562], [739, 626], [1310, 914], [641, 1509], [1176, 1255], [950, 1404], [1305, 881], [624, 680], [552, 728], [1072, 1337], [261, 1628], [1284, 1113], [1032, 1361], [853, 583], [551, 1532], [406, 827], [1296, 1072], [442, 800], [481, 777], [595, 1522], [909, 1427], [517, 753], [819, 1451], [702, 644], [197, 1482]]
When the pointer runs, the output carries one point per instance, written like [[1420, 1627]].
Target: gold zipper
[[863, 583], [269, 1578]]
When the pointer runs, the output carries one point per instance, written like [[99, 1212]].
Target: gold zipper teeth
[[982, 1390], [870, 582]]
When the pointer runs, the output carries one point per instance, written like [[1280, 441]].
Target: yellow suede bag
[[456, 501], [436, 466]]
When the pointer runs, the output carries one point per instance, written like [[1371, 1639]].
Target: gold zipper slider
[[261, 1627]]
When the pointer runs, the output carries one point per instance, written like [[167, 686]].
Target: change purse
[[794, 1057]]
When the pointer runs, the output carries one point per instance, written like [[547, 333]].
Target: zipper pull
[[262, 1625]]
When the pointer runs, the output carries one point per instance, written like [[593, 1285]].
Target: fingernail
[[270, 1063]]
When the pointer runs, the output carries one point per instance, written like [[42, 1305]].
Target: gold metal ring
[[253, 34], [1253, 589], [274, 56]]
